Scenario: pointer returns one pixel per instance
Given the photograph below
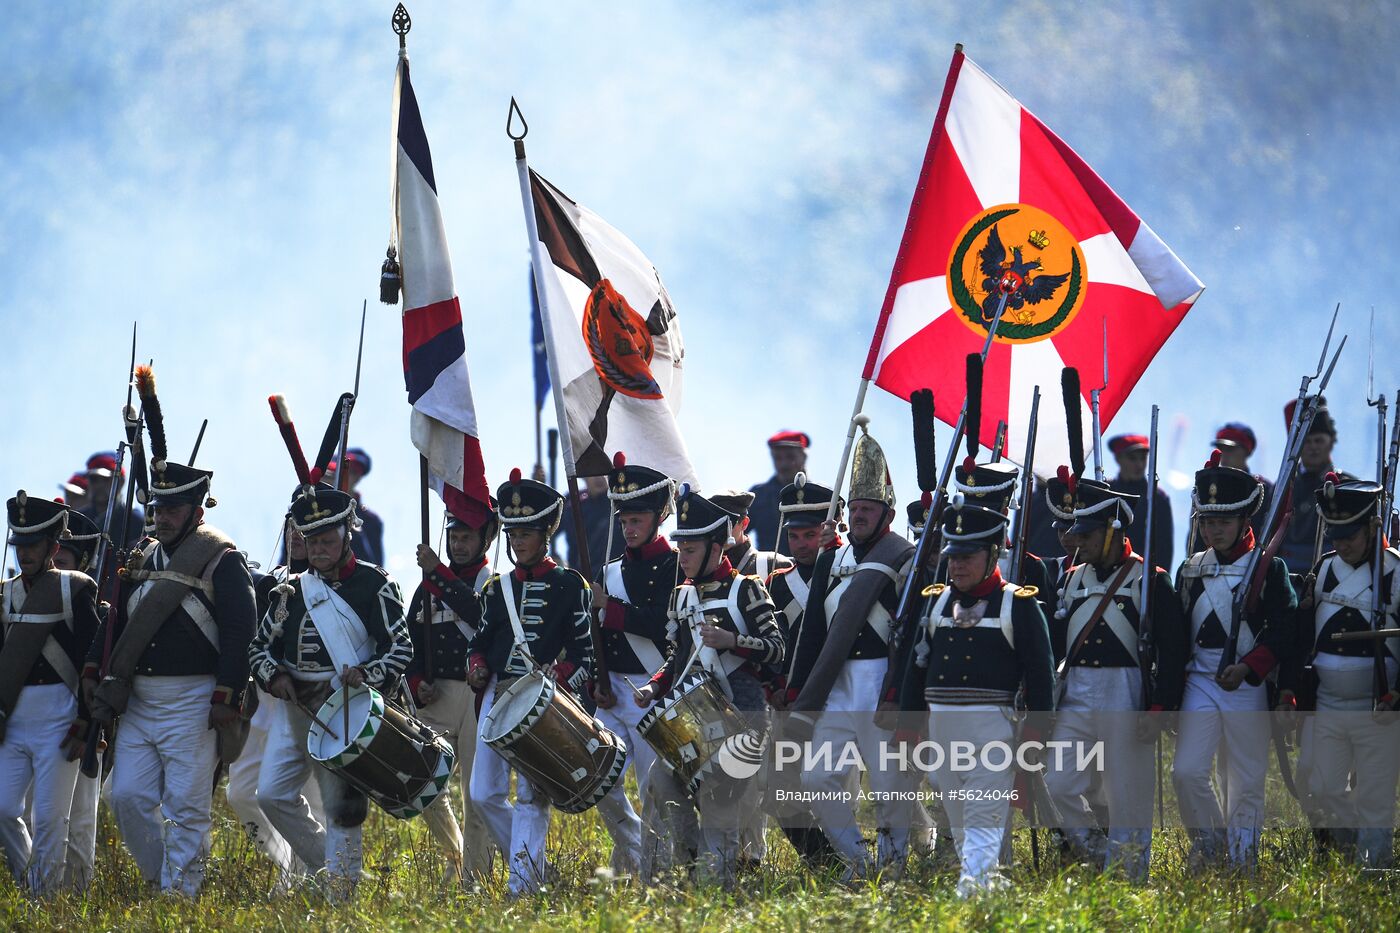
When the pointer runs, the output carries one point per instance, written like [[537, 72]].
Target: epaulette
[[935, 589], [1027, 592]]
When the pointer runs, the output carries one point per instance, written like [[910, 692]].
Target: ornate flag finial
[[402, 23]]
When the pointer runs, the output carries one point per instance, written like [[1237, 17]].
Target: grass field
[[403, 890]]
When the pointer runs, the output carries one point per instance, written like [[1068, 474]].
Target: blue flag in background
[[537, 350]]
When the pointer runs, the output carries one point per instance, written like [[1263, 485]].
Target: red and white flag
[[614, 340], [1000, 196], [443, 423]]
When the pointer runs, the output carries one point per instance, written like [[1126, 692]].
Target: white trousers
[[1100, 705], [1235, 725], [635, 839], [519, 830], [468, 845], [81, 860], [848, 720], [1346, 739], [29, 755], [162, 782], [334, 847], [976, 799]]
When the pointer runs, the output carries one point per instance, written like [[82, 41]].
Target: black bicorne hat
[[525, 503], [178, 484], [320, 508], [1059, 497], [1222, 490], [803, 503], [991, 485], [1098, 505], [968, 529], [81, 537], [34, 519], [1347, 507], [635, 488], [918, 513], [698, 517]]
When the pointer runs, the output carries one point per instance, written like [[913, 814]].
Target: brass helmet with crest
[[870, 471]]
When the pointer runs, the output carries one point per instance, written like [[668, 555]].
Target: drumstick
[[632, 685], [312, 716]]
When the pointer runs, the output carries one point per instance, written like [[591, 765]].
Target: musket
[[1386, 469], [199, 439], [347, 405], [1094, 408], [1023, 507], [1000, 442], [1246, 598], [1145, 644]]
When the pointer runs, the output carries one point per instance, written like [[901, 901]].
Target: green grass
[[403, 890]]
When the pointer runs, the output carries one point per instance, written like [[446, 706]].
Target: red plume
[[619, 460], [283, 417], [1333, 478], [515, 476], [968, 465], [926, 499], [1214, 460]]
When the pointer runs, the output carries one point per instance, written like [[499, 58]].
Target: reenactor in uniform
[[1130, 450], [529, 617], [789, 452], [77, 550], [803, 506], [340, 623], [175, 674], [451, 598], [1301, 541], [1095, 640], [1216, 694], [1354, 758], [981, 641], [725, 623], [742, 555], [993, 486], [843, 658], [637, 591], [49, 617]]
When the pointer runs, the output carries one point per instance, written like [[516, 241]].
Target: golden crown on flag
[[1038, 239]]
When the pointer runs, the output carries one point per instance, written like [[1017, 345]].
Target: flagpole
[[879, 337], [427, 616], [538, 258]]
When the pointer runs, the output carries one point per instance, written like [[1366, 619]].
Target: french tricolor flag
[[443, 425]]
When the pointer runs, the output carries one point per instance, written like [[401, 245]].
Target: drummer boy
[[340, 622], [723, 623], [529, 617]]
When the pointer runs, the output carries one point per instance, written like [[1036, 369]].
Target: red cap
[[1124, 443], [1236, 434], [790, 439]]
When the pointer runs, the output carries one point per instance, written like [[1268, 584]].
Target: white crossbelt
[[342, 632], [644, 648]]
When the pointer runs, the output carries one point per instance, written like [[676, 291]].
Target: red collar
[[653, 549], [1241, 548], [344, 573], [833, 544], [724, 571], [468, 571], [535, 571], [984, 589]]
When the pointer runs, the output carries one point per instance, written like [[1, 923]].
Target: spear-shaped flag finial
[[402, 23]]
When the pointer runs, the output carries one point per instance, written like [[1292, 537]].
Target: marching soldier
[[339, 623], [1354, 757], [842, 662], [993, 486], [529, 617], [981, 641], [1301, 545], [1130, 451], [49, 616], [451, 599], [726, 624], [789, 452], [77, 550], [742, 554], [1223, 501], [637, 587], [175, 674], [1095, 640]]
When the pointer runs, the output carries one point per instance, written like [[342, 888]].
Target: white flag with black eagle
[[614, 340]]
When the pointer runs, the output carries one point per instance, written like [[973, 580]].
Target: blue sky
[[220, 172]]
